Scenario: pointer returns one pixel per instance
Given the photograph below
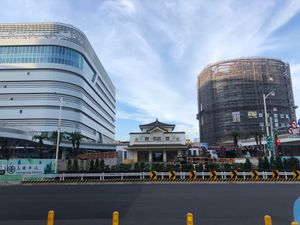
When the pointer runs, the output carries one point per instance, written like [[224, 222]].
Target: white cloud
[[155, 55], [153, 51]]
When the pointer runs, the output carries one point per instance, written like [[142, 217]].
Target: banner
[[236, 117], [27, 166]]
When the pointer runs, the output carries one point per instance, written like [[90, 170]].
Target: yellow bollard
[[268, 220], [50, 218], [115, 220], [294, 223], [189, 219]]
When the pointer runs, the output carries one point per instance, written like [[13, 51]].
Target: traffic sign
[[192, 174], [294, 124], [153, 175], [213, 175], [172, 175], [2, 172], [254, 174], [234, 174], [275, 174], [296, 174], [290, 130], [269, 143]]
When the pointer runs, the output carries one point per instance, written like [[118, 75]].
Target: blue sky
[[154, 50]]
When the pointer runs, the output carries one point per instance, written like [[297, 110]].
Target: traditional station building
[[156, 143]]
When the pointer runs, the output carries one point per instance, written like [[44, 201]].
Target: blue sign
[[205, 145], [299, 122], [297, 210]]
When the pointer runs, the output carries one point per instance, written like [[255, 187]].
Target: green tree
[[272, 163], [159, 167], [286, 164], [187, 167], [69, 165], [266, 163], [76, 137], [212, 166], [92, 166], [227, 167], [40, 138], [75, 165], [7, 148], [136, 167], [142, 166], [279, 164], [97, 165], [124, 167], [261, 164], [247, 165], [293, 163], [102, 165]]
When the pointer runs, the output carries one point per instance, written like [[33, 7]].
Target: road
[[148, 204]]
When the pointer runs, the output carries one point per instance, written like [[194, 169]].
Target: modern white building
[[156, 143], [43, 63]]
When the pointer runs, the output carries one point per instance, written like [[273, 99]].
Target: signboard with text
[[27, 166]]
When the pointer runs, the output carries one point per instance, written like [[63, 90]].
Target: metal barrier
[[189, 219], [170, 176]]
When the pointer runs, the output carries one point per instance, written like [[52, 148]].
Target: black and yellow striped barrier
[[173, 176]]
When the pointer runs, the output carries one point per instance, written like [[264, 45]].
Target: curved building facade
[[43, 63], [230, 97]]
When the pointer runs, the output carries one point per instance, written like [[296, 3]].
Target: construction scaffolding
[[230, 98]]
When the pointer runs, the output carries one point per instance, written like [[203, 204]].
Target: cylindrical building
[[41, 63], [230, 97]]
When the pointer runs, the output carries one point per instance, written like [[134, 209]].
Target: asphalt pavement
[[148, 204]]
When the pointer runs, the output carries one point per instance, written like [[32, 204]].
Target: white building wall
[[174, 138], [88, 101]]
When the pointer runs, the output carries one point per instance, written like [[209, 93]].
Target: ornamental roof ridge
[[156, 123]]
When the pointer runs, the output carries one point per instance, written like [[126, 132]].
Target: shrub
[[247, 165], [92, 167], [187, 167]]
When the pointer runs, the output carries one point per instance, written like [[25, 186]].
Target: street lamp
[[58, 133], [265, 110]]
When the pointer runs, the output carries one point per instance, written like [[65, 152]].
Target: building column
[[165, 156], [150, 156], [135, 156], [63, 154]]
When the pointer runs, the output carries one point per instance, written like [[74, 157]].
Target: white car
[[213, 154]]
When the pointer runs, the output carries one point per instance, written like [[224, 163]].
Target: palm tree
[[75, 137], [40, 143]]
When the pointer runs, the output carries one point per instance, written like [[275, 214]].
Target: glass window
[[45, 54]]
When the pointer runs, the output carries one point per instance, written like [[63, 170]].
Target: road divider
[[50, 220], [170, 176], [115, 219], [189, 219]]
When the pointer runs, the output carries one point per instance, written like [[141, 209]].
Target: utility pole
[[58, 133]]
